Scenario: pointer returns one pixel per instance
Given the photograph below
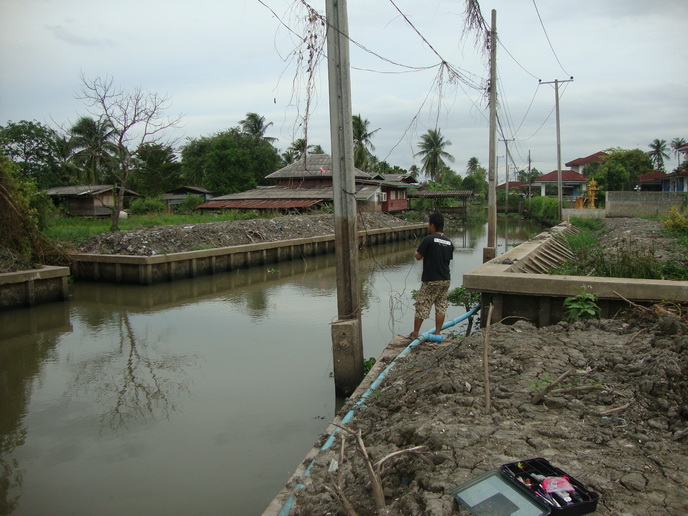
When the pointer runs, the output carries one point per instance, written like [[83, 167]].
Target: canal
[[194, 397]]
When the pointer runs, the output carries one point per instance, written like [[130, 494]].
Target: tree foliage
[[37, 150], [658, 153], [619, 170], [228, 162], [157, 170]]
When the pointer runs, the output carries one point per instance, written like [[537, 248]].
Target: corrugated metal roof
[[82, 190], [440, 193], [314, 165], [363, 192], [258, 204]]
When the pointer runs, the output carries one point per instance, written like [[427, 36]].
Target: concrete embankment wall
[[33, 287], [148, 270], [643, 204], [518, 286]]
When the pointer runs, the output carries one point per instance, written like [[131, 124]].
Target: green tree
[[93, 150], [136, 117], [432, 151], [363, 146], [658, 153], [476, 178], [228, 162], [157, 170], [254, 125], [36, 149], [619, 170], [298, 149]]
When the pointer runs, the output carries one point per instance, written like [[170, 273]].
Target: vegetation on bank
[[627, 258]]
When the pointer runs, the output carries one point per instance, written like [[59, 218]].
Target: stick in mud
[[486, 369]]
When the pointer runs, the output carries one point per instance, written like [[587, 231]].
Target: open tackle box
[[532, 487]]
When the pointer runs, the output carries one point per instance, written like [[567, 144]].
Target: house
[[86, 200], [572, 182], [677, 181], [650, 181], [307, 184], [513, 186], [579, 164], [177, 195]]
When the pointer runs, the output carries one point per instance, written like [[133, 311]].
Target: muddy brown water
[[194, 397]]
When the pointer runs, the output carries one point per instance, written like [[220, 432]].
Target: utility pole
[[530, 194], [506, 169], [489, 252], [560, 200], [347, 340]]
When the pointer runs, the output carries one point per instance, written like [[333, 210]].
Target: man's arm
[[419, 256]]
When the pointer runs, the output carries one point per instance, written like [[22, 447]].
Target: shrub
[[189, 203], [144, 205], [677, 222], [545, 209]]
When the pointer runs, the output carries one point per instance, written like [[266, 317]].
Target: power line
[[548, 41]]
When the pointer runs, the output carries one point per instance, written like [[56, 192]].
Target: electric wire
[[548, 41]]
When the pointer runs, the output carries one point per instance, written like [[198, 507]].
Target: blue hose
[[350, 415]]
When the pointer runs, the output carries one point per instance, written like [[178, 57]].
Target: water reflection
[[198, 396]]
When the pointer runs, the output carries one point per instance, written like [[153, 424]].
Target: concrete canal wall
[[33, 287], [517, 285], [148, 270], [643, 204]]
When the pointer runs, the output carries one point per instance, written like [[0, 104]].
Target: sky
[[218, 60]]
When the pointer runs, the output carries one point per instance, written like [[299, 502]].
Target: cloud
[[64, 34]]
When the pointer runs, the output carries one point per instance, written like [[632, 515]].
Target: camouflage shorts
[[432, 293]]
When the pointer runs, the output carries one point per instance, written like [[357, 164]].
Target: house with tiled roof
[[650, 181], [307, 184], [573, 183], [579, 164]]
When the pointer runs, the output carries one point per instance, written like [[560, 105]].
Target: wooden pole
[[347, 340]]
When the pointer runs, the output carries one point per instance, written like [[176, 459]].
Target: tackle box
[[532, 487]]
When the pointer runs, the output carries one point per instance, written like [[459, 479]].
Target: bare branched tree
[[136, 117]]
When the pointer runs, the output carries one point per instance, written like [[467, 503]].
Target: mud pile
[[618, 426]]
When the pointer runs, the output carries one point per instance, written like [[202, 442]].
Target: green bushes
[[545, 209], [144, 205], [677, 222], [189, 203]]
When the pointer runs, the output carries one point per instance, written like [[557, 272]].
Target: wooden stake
[[486, 355]]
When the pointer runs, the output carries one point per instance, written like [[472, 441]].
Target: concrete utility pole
[[506, 169], [490, 251], [347, 340], [560, 199]]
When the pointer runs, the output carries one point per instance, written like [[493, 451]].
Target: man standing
[[436, 251]]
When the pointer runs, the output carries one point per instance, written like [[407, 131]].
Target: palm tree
[[658, 153], [473, 165], [676, 143], [299, 148], [93, 149], [432, 146], [316, 149], [254, 125], [362, 143]]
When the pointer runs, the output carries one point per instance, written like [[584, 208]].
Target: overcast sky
[[218, 60]]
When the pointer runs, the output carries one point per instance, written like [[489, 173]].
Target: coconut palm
[[299, 148], [432, 145], [93, 149], [658, 153], [362, 143], [676, 143], [254, 125]]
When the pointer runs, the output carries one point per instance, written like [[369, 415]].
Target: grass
[[627, 260], [79, 229]]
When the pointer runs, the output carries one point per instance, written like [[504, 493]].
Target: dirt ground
[[172, 239], [620, 429]]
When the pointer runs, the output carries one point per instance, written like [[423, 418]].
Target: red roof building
[[573, 183], [579, 164], [650, 181]]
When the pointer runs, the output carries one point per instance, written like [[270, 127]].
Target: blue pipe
[[350, 415]]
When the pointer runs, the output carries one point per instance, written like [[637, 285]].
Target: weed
[[368, 365], [582, 306]]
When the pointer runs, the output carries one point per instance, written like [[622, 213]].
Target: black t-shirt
[[437, 251]]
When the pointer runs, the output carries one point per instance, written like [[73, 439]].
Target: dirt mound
[[189, 237], [619, 425]]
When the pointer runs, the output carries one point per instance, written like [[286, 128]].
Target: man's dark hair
[[437, 220]]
